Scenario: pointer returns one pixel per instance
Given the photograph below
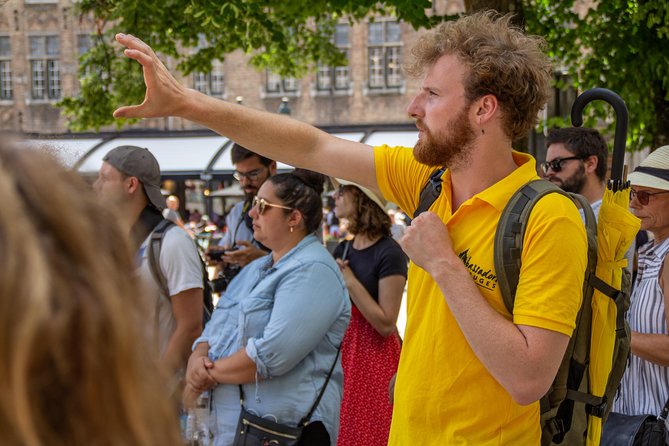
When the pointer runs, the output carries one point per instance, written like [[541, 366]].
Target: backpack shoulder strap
[[430, 192], [508, 245], [153, 255]]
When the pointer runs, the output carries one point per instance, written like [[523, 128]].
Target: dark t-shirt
[[384, 258]]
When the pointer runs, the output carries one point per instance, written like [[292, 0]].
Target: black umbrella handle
[[620, 138]]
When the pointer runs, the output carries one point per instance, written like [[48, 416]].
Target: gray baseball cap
[[140, 163]]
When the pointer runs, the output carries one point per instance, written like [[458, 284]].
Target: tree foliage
[[289, 37], [622, 45]]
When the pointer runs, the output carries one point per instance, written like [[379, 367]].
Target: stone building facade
[[41, 40]]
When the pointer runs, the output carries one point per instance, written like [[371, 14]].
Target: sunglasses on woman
[[262, 205], [643, 196], [556, 164]]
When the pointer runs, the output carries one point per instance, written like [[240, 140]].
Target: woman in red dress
[[375, 269]]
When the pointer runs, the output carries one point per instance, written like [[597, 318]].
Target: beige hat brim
[[646, 180], [379, 200]]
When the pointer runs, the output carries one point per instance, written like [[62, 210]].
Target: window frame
[[384, 59], [6, 74], [334, 73], [50, 76]]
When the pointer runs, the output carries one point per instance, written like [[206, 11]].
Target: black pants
[[315, 434]]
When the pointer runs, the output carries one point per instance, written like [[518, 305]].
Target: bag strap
[[430, 192], [305, 420], [665, 411], [153, 255], [508, 245]]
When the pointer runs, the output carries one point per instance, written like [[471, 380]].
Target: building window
[[211, 83], [45, 67], [84, 43], [6, 92], [384, 55], [278, 86], [335, 78]]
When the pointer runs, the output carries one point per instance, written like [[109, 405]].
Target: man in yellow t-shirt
[[470, 373]]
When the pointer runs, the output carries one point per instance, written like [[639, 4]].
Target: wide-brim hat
[[379, 200], [653, 171], [140, 163]]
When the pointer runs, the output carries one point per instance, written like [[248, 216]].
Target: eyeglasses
[[556, 164], [262, 205], [252, 175], [643, 196]]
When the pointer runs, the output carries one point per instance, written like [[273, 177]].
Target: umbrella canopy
[[616, 228]]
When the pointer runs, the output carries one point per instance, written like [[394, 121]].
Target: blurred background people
[[75, 364], [171, 213], [278, 326], [645, 386], [375, 270], [129, 183]]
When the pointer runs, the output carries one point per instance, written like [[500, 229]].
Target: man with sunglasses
[[577, 161], [238, 244]]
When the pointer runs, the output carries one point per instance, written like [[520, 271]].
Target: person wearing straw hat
[[375, 270], [645, 385]]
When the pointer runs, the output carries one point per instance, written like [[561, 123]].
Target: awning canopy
[[191, 154]]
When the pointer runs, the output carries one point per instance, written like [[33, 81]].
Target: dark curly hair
[[368, 218], [301, 189]]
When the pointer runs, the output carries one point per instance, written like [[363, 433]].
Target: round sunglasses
[[643, 197]]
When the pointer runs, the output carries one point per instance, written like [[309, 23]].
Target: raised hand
[[164, 95]]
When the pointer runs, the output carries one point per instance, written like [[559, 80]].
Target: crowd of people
[[110, 336]]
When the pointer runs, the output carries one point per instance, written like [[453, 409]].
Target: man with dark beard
[[470, 372], [576, 161], [238, 244]]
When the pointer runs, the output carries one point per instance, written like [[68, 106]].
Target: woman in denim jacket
[[277, 328]]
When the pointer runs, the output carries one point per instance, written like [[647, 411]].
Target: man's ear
[[133, 185], [272, 168], [591, 163], [485, 108]]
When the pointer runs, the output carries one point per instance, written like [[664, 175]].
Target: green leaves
[[622, 45], [288, 37]]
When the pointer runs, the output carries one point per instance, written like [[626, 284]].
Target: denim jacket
[[290, 317]]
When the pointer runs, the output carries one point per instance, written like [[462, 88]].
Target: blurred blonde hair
[[74, 365]]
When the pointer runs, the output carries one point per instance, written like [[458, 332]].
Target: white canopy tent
[[201, 155]]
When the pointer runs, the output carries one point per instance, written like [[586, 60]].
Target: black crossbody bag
[[635, 430], [253, 430]]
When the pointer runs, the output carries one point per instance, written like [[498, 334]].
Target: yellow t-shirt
[[444, 395]]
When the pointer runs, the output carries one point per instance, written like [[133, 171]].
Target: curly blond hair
[[74, 365], [501, 61]]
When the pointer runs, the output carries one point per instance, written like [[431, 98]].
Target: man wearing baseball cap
[[129, 181]]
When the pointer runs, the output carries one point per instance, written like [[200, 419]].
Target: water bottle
[[198, 432]]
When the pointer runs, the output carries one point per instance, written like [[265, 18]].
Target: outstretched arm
[[274, 136]]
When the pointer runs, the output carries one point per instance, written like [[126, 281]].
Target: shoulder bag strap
[[304, 421], [430, 192]]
